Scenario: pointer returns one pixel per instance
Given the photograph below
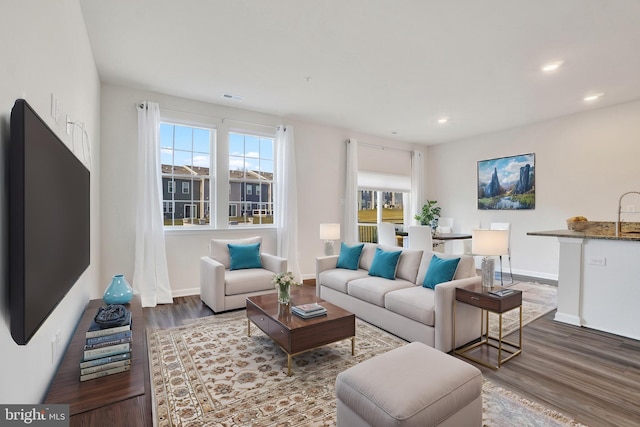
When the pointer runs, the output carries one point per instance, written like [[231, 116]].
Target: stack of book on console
[[307, 311], [107, 350]]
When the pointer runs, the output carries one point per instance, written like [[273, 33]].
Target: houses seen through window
[[251, 166], [186, 163]]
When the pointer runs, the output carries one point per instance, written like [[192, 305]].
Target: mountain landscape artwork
[[507, 183]]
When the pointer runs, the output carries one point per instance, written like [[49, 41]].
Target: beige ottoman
[[414, 385]]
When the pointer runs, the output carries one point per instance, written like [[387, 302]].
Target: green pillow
[[244, 256], [384, 264], [349, 257], [440, 270]]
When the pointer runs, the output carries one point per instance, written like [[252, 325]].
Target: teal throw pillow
[[440, 270], [349, 257], [244, 256], [384, 264]]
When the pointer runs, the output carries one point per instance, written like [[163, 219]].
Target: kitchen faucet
[[618, 224]]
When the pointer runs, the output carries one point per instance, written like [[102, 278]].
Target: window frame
[[219, 185]]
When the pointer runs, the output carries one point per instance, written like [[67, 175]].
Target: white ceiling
[[376, 66]]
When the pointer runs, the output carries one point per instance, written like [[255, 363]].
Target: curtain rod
[[382, 147], [142, 105]]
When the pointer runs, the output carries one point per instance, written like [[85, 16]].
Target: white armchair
[[224, 289]]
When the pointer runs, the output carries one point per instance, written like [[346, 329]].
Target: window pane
[[253, 203], [201, 140], [236, 144], [202, 161], [166, 156], [166, 135], [267, 166], [266, 148], [186, 174], [182, 158], [252, 165], [183, 138], [251, 146]]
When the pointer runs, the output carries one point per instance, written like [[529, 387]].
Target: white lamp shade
[[490, 242], [330, 231]]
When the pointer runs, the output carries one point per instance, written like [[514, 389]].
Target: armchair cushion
[[219, 251], [244, 256]]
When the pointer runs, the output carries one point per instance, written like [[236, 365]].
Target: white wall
[[320, 158], [584, 162], [45, 50]]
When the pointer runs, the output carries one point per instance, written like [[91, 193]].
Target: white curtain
[[287, 199], [150, 275], [351, 194], [417, 188]]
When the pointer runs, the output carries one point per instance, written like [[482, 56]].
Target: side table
[[480, 297]]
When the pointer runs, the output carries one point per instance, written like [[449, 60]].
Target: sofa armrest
[[324, 263], [445, 297], [273, 263], [212, 283]]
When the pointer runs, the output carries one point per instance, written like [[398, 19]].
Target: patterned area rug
[[537, 300], [210, 373]]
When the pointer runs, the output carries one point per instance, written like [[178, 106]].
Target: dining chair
[[387, 234], [420, 238]]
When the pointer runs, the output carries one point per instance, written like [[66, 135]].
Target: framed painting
[[507, 182]]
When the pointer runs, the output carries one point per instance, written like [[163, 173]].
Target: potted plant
[[429, 214]]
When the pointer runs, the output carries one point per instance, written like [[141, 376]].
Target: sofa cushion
[[247, 280], [219, 250], [337, 278], [416, 303], [244, 256], [373, 289], [385, 264], [349, 257], [466, 266], [408, 265], [368, 252], [440, 270]]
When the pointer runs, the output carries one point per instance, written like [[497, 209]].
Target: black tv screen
[[49, 234]]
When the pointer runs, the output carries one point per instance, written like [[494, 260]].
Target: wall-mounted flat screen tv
[[49, 233]]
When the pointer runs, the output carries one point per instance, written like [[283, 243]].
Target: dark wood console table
[[111, 400]]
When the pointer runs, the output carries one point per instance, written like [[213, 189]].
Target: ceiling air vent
[[231, 96]]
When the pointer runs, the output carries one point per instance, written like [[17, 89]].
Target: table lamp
[[489, 243], [329, 233]]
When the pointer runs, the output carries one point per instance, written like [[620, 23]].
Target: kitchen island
[[599, 277]]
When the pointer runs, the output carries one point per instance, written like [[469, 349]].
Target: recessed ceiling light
[[443, 120], [551, 66], [594, 97]]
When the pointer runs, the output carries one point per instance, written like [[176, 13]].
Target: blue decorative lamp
[[118, 292]]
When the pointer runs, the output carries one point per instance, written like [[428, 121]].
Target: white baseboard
[[185, 292], [568, 318]]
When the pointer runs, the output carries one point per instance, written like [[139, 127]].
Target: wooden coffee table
[[294, 334]]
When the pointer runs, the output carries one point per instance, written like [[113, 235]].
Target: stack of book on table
[[107, 350], [307, 311]]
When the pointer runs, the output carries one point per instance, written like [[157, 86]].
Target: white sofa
[[223, 289], [403, 306]]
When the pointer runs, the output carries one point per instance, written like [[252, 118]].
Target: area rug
[[210, 373], [537, 300]]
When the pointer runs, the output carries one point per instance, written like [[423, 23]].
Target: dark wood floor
[[591, 376]]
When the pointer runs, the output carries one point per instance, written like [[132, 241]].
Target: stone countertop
[[596, 230]]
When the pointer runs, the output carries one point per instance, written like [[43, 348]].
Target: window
[[186, 160], [251, 166], [378, 206]]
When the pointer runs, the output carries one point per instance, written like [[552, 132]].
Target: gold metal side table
[[480, 297]]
